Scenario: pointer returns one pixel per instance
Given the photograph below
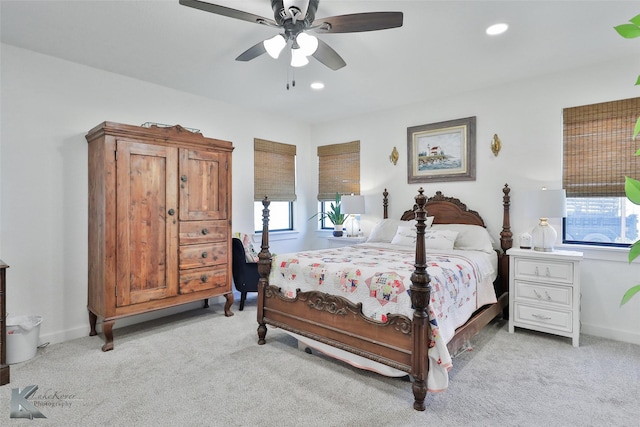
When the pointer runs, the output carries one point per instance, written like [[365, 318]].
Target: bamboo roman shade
[[599, 148], [274, 171], [339, 170]]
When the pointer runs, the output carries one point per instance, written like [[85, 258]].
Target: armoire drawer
[[196, 232], [201, 279], [195, 256], [531, 291], [537, 270], [554, 319]]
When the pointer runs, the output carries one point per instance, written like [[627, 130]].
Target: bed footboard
[[337, 322]]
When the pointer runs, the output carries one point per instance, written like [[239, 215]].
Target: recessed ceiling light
[[496, 29], [317, 85]]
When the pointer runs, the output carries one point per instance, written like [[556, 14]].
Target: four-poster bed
[[399, 341]]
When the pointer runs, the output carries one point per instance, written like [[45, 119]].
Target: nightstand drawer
[[537, 316], [547, 294], [533, 269]]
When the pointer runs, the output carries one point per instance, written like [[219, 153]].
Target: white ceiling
[[440, 50]]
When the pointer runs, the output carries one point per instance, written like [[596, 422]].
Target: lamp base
[[353, 227], [543, 236]]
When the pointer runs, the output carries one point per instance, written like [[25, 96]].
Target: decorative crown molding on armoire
[[159, 221]]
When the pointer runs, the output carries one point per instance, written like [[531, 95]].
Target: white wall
[[527, 116], [48, 105]]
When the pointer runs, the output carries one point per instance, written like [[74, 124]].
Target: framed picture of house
[[444, 151]]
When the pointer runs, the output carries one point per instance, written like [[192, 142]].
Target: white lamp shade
[[274, 45], [298, 59], [352, 204], [308, 44], [550, 204]]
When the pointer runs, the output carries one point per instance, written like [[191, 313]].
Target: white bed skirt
[[347, 357]]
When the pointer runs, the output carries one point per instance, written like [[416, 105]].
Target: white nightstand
[[336, 242], [544, 291]]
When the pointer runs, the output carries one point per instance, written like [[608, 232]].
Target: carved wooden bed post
[[506, 240], [264, 269], [385, 204], [420, 295]]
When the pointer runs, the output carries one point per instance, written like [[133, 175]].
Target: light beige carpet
[[202, 369]]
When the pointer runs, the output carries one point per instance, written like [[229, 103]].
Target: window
[[274, 177], [598, 153], [325, 222], [338, 172], [280, 217]]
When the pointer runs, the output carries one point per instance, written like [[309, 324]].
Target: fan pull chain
[[293, 77]]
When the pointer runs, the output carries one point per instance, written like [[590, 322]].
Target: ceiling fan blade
[[358, 22], [329, 57], [253, 52], [227, 11]]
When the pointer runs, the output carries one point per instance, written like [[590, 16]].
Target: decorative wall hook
[[393, 158], [496, 145]]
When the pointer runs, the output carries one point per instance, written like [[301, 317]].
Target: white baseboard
[[66, 335], [632, 337], [83, 331]]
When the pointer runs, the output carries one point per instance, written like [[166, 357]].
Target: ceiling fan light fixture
[[298, 58], [274, 45], [298, 16], [308, 43]]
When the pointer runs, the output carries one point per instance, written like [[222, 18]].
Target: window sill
[[277, 236], [602, 253]]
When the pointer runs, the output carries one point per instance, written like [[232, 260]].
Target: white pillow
[[434, 239], [428, 221], [405, 236], [439, 239], [384, 230], [470, 237]]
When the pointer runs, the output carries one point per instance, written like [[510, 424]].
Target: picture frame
[[440, 152]]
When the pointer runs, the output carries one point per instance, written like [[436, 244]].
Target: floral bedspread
[[379, 277]]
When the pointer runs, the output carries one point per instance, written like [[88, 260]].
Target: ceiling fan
[[295, 18]]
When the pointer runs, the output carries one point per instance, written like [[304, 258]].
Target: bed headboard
[[445, 210], [449, 210]]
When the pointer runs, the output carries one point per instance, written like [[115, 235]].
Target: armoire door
[[204, 185], [147, 222]]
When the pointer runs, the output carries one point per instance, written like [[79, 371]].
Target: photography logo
[[21, 407]]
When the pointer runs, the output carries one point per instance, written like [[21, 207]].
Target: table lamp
[[352, 205]]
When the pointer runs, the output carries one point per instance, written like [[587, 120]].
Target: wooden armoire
[[159, 221]]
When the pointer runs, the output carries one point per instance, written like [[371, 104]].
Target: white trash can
[[23, 334]]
